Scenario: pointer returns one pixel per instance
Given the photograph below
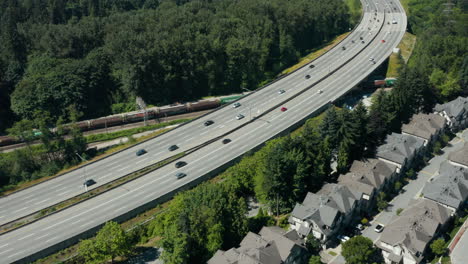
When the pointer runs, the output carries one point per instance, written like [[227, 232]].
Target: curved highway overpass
[[341, 69]]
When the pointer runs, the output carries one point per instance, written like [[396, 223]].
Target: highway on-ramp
[[54, 229]]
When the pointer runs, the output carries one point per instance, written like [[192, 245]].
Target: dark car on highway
[[307, 76], [173, 147], [141, 152], [311, 66], [226, 140], [180, 175], [209, 122], [89, 182], [180, 164]]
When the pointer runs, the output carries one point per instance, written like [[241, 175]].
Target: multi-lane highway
[[54, 229], [193, 134]]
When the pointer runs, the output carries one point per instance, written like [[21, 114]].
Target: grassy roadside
[[406, 47], [315, 53]]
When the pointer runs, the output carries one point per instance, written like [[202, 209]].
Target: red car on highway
[[283, 109]]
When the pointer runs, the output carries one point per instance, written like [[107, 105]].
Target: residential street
[[414, 187]]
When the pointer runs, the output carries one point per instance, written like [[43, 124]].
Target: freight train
[[136, 116]]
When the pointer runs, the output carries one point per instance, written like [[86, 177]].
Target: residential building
[[460, 158], [455, 112], [273, 245], [424, 126], [408, 235], [369, 177], [400, 150], [325, 212], [449, 188]]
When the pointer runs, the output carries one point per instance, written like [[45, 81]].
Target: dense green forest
[[441, 53], [100, 54]]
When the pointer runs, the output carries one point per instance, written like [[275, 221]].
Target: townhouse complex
[[326, 213], [407, 237]]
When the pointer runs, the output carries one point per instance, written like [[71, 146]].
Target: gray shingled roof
[[399, 147], [460, 156], [424, 125], [316, 208], [450, 187], [365, 176], [324, 207], [272, 245], [454, 109], [340, 197], [415, 226]]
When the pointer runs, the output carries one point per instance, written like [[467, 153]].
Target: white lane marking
[[85, 224], [62, 193], [124, 168], [37, 238], [2, 246], [6, 251], [105, 176], [79, 220], [27, 197], [205, 132], [24, 208], [121, 208], [189, 139], [32, 234], [17, 253], [63, 188], [45, 200], [156, 154], [50, 239], [140, 161], [115, 162]]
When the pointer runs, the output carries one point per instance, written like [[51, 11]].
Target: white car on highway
[[239, 116]]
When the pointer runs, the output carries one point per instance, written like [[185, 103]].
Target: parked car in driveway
[[379, 228], [343, 238]]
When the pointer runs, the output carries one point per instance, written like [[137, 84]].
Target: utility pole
[[84, 171], [142, 106]]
